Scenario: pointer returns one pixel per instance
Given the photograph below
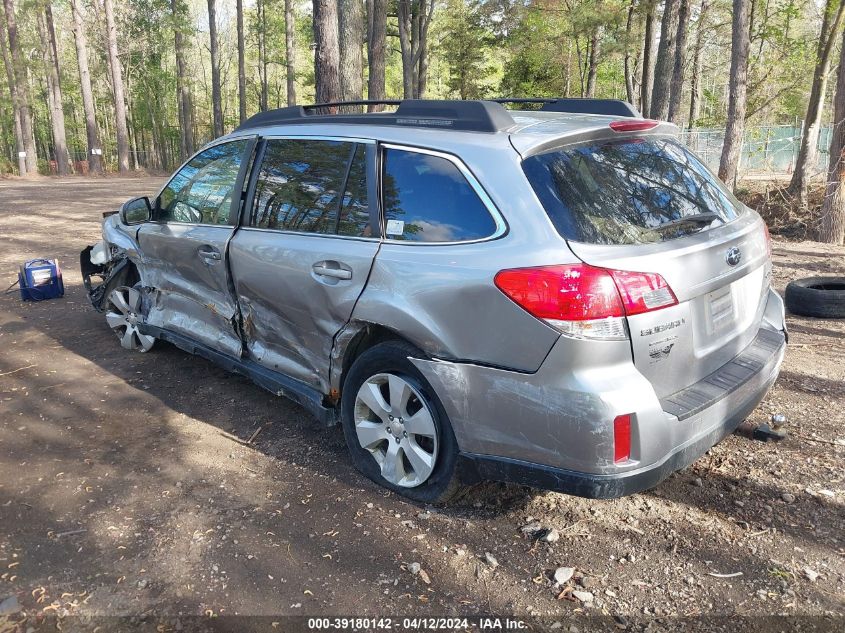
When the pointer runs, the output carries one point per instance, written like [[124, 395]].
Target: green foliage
[[537, 57], [466, 49], [477, 48]]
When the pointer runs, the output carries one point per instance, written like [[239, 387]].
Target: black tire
[[392, 357], [817, 297]]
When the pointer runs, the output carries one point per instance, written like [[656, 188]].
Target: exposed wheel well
[[132, 275], [369, 336]]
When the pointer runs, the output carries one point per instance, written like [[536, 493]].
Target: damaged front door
[[184, 247]]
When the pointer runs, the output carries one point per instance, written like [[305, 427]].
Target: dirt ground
[[129, 486]]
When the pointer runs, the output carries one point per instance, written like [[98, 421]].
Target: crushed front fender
[[100, 280]]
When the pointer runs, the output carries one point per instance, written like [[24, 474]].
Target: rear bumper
[[553, 429], [739, 403]]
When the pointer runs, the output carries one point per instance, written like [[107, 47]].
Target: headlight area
[[100, 264]]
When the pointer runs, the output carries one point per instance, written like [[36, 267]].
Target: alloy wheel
[[123, 317], [395, 424]]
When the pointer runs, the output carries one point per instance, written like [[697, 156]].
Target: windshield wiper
[[699, 218]]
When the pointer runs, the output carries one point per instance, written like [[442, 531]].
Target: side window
[[355, 211], [427, 199], [301, 188], [201, 192]]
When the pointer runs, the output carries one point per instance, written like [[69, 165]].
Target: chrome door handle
[[210, 255], [336, 273]]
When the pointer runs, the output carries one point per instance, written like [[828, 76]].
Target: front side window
[[312, 186], [427, 199], [630, 191], [201, 192]]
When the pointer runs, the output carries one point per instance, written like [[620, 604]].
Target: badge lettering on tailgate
[[657, 329]]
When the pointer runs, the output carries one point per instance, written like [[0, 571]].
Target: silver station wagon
[[563, 297]]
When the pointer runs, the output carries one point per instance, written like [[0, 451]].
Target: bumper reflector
[[622, 438]]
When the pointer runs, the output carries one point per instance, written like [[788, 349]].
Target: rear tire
[[396, 429], [817, 297]]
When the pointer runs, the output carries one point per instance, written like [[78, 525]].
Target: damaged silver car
[[563, 297]]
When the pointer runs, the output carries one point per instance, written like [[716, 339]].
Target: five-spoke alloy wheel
[[124, 313]]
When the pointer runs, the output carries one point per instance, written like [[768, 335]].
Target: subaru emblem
[[734, 255]]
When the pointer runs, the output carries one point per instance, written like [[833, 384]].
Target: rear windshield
[[632, 191]]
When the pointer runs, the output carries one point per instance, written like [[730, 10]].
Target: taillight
[[622, 438], [633, 125], [585, 301], [768, 241], [643, 292]]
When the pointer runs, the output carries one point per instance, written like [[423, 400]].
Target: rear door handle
[[324, 269], [209, 254]]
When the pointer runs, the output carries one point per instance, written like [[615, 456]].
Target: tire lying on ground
[[817, 297]]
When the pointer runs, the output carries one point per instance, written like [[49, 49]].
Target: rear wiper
[[699, 218]]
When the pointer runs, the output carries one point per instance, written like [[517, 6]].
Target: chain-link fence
[[766, 150]]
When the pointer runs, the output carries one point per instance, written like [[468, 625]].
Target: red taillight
[[595, 298], [622, 438], [633, 125], [768, 241], [643, 292], [562, 293]]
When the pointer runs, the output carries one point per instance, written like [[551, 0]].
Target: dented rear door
[[304, 251], [184, 247]]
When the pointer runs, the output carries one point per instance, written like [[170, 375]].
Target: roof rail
[[609, 107], [470, 116]]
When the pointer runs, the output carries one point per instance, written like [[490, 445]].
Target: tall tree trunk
[[47, 34], [737, 92], [95, 158], [676, 87], [593, 65], [326, 54], [19, 143], [414, 19], [264, 93], [648, 67], [22, 89], [665, 61], [629, 72], [808, 150], [117, 86], [695, 87], [216, 102], [239, 8], [290, 53], [376, 44], [567, 70], [422, 72], [183, 89], [351, 39], [832, 225], [13, 92]]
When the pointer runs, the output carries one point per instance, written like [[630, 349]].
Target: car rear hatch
[[646, 204]]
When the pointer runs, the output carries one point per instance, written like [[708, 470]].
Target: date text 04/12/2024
[[416, 624]]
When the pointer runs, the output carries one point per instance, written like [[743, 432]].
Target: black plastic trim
[[762, 351], [607, 107], [279, 384], [467, 116]]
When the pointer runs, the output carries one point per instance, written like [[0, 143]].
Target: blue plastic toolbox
[[41, 279]]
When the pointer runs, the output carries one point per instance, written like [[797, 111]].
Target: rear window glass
[[427, 199], [632, 191], [310, 186]]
